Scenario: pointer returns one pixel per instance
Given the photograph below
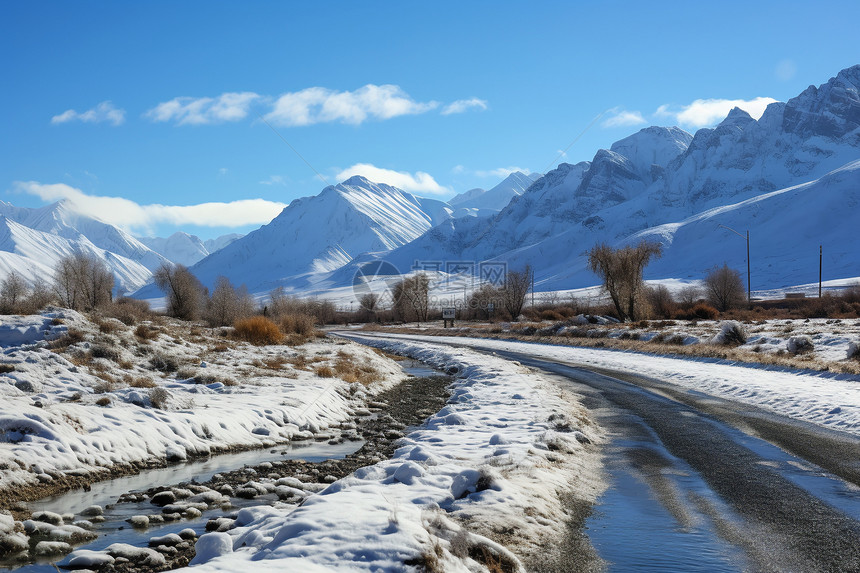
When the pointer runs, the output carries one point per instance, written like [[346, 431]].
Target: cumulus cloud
[[618, 117], [464, 105], [231, 106], [105, 112], [321, 105], [133, 216], [420, 182], [706, 112]]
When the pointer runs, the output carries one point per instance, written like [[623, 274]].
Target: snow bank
[[59, 417], [491, 464], [20, 330], [830, 400]]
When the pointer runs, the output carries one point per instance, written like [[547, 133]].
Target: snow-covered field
[[824, 398], [490, 466], [117, 398], [480, 483]]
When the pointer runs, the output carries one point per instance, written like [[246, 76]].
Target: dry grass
[[258, 330], [146, 332], [349, 371], [324, 372], [138, 381]]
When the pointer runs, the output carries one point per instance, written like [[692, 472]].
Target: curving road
[[698, 483]]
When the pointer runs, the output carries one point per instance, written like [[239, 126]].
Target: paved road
[[784, 526], [768, 510]]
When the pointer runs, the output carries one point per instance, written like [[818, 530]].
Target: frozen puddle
[[652, 517]]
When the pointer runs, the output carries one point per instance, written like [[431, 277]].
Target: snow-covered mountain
[[496, 198], [187, 249], [319, 234], [664, 178], [32, 241]]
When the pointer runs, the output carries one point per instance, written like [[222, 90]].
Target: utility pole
[[749, 281], [820, 265]]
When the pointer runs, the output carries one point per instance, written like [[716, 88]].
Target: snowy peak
[[737, 116], [831, 110], [653, 146], [186, 249], [498, 197], [320, 234]]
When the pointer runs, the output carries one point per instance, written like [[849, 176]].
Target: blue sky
[[144, 112]]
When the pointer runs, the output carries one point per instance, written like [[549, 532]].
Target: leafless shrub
[[724, 288], [800, 345], [163, 363], [158, 397], [83, 282], [621, 272], [186, 296]]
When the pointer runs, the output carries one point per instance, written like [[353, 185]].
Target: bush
[[103, 401], [704, 311], [325, 372], [732, 333], [163, 363], [302, 324], [258, 330], [145, 332], [800, 345], [128, 311], [158, 398]]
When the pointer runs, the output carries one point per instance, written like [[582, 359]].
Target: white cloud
[[419, 182], [321, 105], [223, 172], [231, 106], [500, 172], [132, 216], [457, 169], [105, 112], [619, 117], [463, 105], [706, 112], [274, 180]]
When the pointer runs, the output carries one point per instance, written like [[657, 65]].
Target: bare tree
[[185, 294], [481, 299], [83, 282], [515, 289], [40, 296], [369, 304], [412, 297], [13, 292], [660, 300], [621, 272], [222, 308], [724, 288], [689, 295]]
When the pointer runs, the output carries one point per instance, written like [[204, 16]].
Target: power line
[[294, 150]]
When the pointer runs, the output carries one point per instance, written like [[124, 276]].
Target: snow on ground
[[114, 397], [824, 398], [491, 464]]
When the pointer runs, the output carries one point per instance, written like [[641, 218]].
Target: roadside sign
[[449, 313]]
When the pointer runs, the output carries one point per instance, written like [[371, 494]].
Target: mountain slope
[[187, 249], [496, 198], [319, 234]]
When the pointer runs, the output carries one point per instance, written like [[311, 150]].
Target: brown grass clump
[[324, 372], [274, 363], [145, 332], [258, 330], [129, 311], [138, 381], [301, 324], [349, 371], [103, 401], [6, 368], [704, 311]]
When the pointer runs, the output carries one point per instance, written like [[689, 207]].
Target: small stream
[[115, 529]]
